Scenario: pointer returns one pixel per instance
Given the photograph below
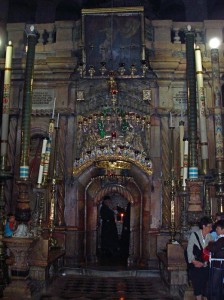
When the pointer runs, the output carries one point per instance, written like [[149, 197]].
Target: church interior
[[111, 136]]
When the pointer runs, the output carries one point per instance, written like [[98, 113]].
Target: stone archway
[[82, 209], [133, 194]]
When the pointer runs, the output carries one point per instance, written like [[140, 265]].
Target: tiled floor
[[96, 288]]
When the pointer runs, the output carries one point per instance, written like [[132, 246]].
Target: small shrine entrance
[[129, 188], [128, 204], [114, 233]]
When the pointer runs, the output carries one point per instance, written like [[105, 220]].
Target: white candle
[[171, 120], [53, 108], [47, 158], [181, 127], [6, 98], [185, 173], [201, 105], [58, 120], [181, 109], [41, 169]]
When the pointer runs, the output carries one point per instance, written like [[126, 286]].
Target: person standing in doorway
[[109, 234]]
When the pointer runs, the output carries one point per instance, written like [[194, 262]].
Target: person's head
[[205, 224], [219, 227], [218, 216], [106, 200], [11, 217]]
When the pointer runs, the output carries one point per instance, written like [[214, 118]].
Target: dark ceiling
[[44, 11]]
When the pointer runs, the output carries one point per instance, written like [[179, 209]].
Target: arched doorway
[[128, 192], [113, 230], [82, 213]]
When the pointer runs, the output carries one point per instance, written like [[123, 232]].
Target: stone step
[[100, 272]]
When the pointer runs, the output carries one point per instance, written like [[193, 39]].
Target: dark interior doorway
[[113, 230]]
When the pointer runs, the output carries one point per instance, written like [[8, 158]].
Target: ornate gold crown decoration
[[111, 165], [112, 162]]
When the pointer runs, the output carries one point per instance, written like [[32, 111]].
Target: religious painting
[[113, 39]]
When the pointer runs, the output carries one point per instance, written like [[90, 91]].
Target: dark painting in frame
[[113, 37]]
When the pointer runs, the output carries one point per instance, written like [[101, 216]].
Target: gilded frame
[[113, 36]]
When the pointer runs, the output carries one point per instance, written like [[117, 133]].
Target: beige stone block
[[165, 97]]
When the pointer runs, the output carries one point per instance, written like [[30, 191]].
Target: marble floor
[[107, 285]]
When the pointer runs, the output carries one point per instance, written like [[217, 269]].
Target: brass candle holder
[[172, 182], [52, 240], [53, 182], [184, 220]]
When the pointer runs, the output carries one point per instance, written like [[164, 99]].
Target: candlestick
[[47, 159], [6, 94], [53, 108], [171, 120], [202, 115], [57, 125], [185, 163], [192, 104], [181, 127], [41, 169], [181, 108]]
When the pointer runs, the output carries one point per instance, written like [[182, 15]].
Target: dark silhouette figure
[[109, 234]]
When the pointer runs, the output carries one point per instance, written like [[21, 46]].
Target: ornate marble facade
[[79, 101]]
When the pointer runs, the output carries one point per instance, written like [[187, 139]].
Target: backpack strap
[[197, 237]]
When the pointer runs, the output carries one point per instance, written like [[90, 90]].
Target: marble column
[[219, 152]]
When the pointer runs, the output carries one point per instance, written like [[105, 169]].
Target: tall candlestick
[[181, 109], [5, 108], [202, 116], [171, 120], [57, 125], [48, 149], [192, 104], [185, 163], [41, 169], [181, 127], [47, 159], [53, 108]]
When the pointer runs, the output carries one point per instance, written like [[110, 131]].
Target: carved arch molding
[[90, 187]]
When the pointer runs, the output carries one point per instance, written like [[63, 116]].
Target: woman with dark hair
[[198, 270]]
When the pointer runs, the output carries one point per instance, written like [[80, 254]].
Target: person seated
[[10, 225]]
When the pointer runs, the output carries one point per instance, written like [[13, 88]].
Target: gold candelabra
[[172, 183], [52, 240], [54, 181]]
